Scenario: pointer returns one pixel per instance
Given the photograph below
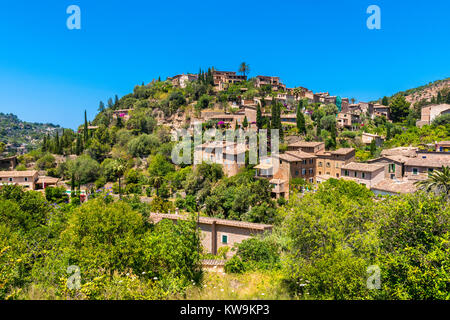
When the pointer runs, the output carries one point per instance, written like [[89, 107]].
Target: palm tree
[[119, 169], [244, 68], [299, 92], [438, 181]]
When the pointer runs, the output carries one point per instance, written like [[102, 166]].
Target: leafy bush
[[235, 265]]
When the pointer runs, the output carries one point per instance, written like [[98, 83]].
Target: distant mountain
[[425, 93], [16, 133]]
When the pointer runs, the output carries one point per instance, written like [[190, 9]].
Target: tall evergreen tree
[[301, 126], [79, 147], [110, 103], [373, 147], [44, 144], [245, 122], [333, 136], [385, 101], [101, 107], [259, 120], [86, 131]]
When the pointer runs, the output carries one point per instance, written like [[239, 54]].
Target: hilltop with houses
[[343, 171]]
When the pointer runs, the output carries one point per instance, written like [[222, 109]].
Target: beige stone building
[[418, 168], [272, 81], [292, 164], [218, 233], [26, 179], [429, 113], [123, 113], [381, 110], [230, 155], [181, 80], [394, 166], [8, 163], [368, 137], [307, 146], [330, 162], [363, 173], [443, 146], [223, 78]]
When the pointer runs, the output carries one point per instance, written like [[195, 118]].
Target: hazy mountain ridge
[[16, 132]]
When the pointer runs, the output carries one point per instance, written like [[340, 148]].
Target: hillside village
[[234, 102], [335, 152]]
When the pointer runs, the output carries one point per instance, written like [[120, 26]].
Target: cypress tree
[[44, 144], [79, 147], [333, 136], [259, 120], [101, 107], [245, 123], [373, 148], [86, 133], [300, 118]]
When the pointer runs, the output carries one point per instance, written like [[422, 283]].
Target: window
[[328, 164], [337, 175], [430, 171], [311, 180], [346, 173], [415, 171], [10, 179], [320, 163], [363, 175], [356, 174], [304, 161], [224, 239], [26, 179], [392, 167], [311, 171], [296, 173], [303, 171], [311, 161]]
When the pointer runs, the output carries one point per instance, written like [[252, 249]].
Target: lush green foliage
[[107, 241]]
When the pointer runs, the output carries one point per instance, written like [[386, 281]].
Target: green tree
[[86, 131], [373, 147], [399, 108], [84, 169], [101, 107], [143, 145], [244, 68], [301, 126], [245, 122], [259, 122]]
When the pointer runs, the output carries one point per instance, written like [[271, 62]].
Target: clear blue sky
[[51, 74]]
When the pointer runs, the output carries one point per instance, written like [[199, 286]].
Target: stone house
[[217, 233], [363, 173]]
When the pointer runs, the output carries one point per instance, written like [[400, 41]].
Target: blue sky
[[51, 74]]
